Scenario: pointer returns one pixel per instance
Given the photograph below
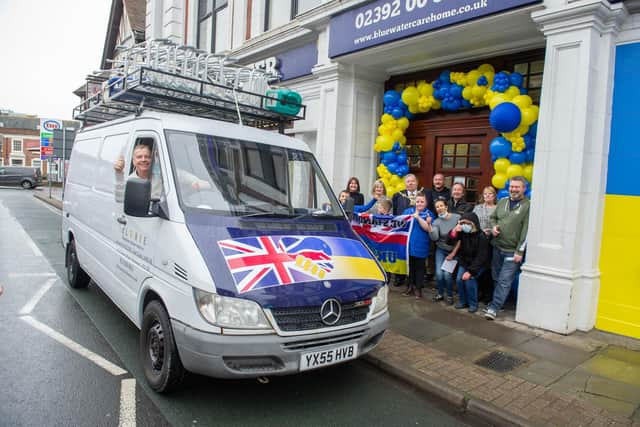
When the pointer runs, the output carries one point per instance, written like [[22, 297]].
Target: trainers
[[450, 300], [490, 314], [437, 297], [473, 309], [408, 292], [460, 306]]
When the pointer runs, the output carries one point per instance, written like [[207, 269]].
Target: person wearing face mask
[[418, 244], [510, 224], [439, 233], [473, 256], [458, 204]]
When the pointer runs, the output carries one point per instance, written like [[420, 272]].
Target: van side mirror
[[137, 196]]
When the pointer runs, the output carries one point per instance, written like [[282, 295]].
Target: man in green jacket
[[510, 222]]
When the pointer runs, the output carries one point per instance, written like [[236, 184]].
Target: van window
[[248, 178], [83, 161], [112, 148]]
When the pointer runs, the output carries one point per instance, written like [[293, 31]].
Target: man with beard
[[510, 223]]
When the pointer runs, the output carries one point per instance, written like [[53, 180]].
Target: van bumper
[[239, 356]]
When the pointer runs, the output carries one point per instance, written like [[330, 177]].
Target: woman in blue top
[[418, 243]]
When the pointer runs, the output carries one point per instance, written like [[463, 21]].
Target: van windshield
[[242, 178]]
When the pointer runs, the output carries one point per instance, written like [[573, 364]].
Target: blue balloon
[[503, 193], [482, 81], [523, 91], [517, 158], [516, 79], [529, 154], [505, 117], [392, 167], [500, 147], [387, 109], [402, 157], [527, 193], [397, 112], [533, 130], [455, 90], [396, 146], [409, 115], [466, 104], [445, 76], [391, 97]]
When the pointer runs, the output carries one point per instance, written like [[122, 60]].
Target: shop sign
[[293, 63], [383, 21], [47, 126]]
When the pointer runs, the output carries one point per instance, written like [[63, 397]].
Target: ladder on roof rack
[[161, 75]]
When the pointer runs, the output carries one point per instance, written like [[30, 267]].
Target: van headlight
[[380, 300], [227, 312]]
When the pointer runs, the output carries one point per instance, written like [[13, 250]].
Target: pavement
[[501, 371]]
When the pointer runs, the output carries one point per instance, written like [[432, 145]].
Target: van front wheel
[[158, 352], [76, 276]]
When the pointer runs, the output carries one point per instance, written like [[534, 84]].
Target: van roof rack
[[160, 75]]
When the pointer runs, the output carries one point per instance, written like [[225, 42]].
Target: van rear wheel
[[76, 276], [158, 352], [26, 184]]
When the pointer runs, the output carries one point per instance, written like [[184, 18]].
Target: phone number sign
[[383, 21]]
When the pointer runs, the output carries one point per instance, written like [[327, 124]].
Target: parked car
[[26, 177]]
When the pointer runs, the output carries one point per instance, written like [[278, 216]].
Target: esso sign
[[51, 125]]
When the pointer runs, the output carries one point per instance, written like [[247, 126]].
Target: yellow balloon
[[397, 134], [403, 123], [499, 180], [395, 180], [522, 101], [425, 89], [384, 130], [528, 116], [436, 104], [473, 76], [501, 165], [402, 140], [512, 92], [479, 91], [410, 95], [413, 108], [489, 75], [514, 170], [386, 118], [467, 92], [486, 68], [527, 172], [498, 98], [385, 142]]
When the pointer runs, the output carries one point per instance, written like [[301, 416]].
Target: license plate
[[328, 357]]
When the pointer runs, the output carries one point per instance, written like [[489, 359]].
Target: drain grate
[[500, 361]]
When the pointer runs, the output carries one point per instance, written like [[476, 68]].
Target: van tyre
[[76, 276], [26, 185], [158, 352]]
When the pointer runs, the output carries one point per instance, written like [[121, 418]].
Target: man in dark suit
[[406, 198]]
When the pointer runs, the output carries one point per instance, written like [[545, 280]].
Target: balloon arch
[[513, 115]]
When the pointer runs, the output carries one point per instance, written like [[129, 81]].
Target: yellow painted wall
[[619, 302]]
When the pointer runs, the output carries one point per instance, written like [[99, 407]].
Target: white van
[[233, 258]]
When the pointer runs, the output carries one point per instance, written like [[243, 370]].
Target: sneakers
[[408, 292], [449, 300], [437, 297], [473, 309], [490, 314], [460, 306]]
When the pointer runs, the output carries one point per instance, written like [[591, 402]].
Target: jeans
[[503, 271], [443, 278], [468, 289]]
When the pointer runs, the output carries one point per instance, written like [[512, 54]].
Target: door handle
[[122, 220]]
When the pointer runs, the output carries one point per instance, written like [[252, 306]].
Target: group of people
[[467, 240]]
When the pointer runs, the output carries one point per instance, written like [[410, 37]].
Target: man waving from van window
[[141, 161]]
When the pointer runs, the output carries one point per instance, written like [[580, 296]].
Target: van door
[[136, 240]]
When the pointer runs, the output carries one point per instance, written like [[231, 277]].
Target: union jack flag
[[265, 261]]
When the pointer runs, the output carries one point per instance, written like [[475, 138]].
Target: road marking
[[112, 368], [14, 275], [128, 403], [28, 307], [48, 206], [32, 245]]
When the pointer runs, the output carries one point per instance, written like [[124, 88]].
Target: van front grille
[[292, 319], [321, 342]]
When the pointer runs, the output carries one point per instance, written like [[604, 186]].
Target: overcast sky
[[47, 47]]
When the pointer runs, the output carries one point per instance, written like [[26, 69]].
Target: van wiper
[[269, 214]]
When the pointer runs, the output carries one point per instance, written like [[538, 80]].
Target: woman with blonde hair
[[378, 193], [485, 207]]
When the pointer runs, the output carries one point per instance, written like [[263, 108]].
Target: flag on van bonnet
[[266, 261], [388, 238]]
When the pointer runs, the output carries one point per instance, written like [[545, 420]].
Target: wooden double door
[[455, 145]]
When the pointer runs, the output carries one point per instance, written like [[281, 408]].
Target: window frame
[[19, 141], [213, 14]]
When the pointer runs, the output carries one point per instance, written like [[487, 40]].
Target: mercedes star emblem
[[330, 312]]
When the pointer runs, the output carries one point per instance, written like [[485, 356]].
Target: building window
[[16, 147], [36, 163], [279, 12], [17, 162], [213, 25], [532, 73]]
